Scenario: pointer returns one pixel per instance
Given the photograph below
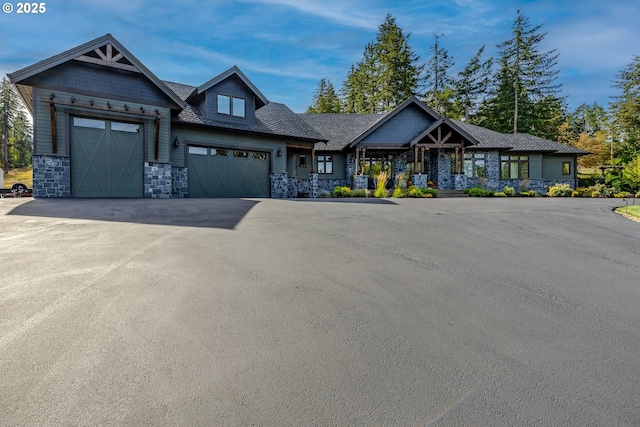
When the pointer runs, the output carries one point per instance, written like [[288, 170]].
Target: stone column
[[157, 180], [179, 182], [279, 185], [360, 182], [313, 185], [419, 180], [51, 176]]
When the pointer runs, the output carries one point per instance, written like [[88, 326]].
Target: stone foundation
[[360, 182], [419, 180], [51, 176], [179, 182], [279, 185], [157, 180], [459, 182]]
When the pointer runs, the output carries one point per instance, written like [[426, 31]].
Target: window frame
[[566, 168], [232, 104], [514, 163], [472, 159], [324, 159], [302, 161]]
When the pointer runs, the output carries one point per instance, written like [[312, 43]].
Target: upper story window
[[231, 106]]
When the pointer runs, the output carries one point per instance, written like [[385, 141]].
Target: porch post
[[415, 160], [313, 160], [455, 162], [462, 159], [364, 155], [357, 160], [422, 163]]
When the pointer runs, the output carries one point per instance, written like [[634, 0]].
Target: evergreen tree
[[439, 84], [525, 96], [9, 104], [325, 99], [21, 142], [626, 110], [471, 85], [387, 75]]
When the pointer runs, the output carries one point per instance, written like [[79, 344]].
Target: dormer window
[[231, 106]]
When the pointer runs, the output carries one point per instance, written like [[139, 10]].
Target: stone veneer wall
[[538, 185], [279, 185], [419, 180], [460, 181], [179, 182], [350, 168], [399, 165], [157, 180], [443, 170], [51, 176], [360, 181]]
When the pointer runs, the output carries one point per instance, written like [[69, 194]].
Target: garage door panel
[[89, 163], [107, 158], [126, 158], [228, 173]]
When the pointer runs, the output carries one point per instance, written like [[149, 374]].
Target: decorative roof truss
[[108, 56]]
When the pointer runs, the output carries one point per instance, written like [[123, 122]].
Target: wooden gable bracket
[[107, 59]]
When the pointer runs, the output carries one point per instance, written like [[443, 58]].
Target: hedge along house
[[106, 126], [415, 140]]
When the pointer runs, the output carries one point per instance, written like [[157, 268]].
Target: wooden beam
[[446, 145], [446, 137], [54, 136], [415, 159], [357, 160], [435, 141], [455, 161], [109, 52], [107, 63], [100, 54], [140, 111], [156, 140], [462, 160], [313, 160]]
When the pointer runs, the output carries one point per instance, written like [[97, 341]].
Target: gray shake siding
[[403, 127]]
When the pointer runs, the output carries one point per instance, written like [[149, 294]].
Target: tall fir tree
[[471, 85], [387, 75], [625, 111], [525, 96], [325, 99], [21, 142], [9, 104], [438, 82]]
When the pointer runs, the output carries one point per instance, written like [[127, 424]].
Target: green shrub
[[323, 194], [638, 195], [587, 180], [431, 191], [359, 192], [622, 195], [414, 191], [508, 191], [596, 194], [339, 191], [477, 192], [399, 193], [560, 190], [530, 193], [582, 192], [499, 194]]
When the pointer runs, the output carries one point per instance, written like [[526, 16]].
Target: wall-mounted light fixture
[[176, 142], [279, 152]]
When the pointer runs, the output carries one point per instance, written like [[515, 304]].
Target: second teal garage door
[[221, 172]]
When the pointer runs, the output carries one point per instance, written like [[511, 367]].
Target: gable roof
[[452, 124], [339, 129], [90, 47], [391, 114], [260, 98]]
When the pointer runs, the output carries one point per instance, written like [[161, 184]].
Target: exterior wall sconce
[[176, 143], [279, 152]]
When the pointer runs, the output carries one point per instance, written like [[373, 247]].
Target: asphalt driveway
[[442, 312]]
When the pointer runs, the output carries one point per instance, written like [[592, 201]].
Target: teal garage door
[[107, 158], [221, 172]]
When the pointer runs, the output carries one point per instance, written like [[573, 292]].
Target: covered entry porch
[[435, 156]]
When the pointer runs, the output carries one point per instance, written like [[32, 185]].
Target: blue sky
[[285, 46]]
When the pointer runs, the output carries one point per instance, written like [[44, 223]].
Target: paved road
[[441, 312]]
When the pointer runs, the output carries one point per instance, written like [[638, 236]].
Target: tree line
[[516, 92], [16, 132]]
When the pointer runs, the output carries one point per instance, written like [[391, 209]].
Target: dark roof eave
[[245, 131]]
